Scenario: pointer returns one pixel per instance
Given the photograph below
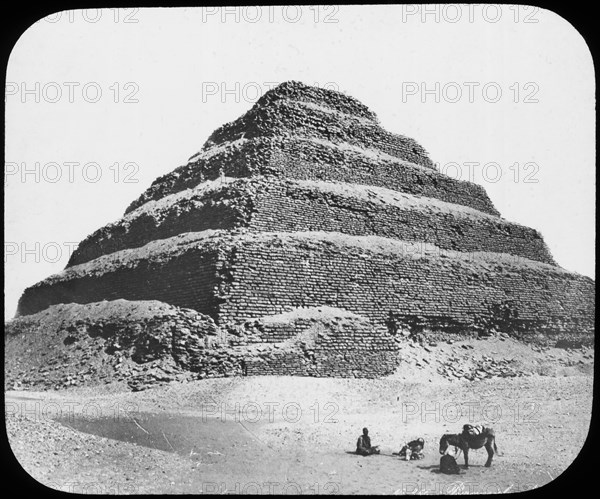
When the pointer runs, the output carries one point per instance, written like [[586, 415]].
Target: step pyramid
[[305, 211]]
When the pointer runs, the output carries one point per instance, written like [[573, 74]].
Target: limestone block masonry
[[309, 241]]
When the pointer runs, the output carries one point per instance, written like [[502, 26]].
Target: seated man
[[413, 450], [363, 445]]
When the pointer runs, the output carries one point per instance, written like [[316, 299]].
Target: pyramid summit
[[303, 238], [302, 132]]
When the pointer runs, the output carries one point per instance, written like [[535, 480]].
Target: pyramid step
[[272, 204], [233, 277], [290, 117], [308, 158]]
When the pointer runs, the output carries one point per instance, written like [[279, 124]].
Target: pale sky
[[100, 103]]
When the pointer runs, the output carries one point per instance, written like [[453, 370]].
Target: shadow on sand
[[393, 454]]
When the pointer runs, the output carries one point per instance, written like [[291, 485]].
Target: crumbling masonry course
[[306, 158], [302, 239], [270, 204], [241, 276]]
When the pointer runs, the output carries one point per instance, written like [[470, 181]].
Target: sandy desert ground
[[291, 435]]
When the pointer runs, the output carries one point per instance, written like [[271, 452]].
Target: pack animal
[[469, 439]]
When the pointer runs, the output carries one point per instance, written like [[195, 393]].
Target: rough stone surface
[[271, 204], [140, 342], [306, 158], [240, 275], [144, 343], [300, 132], [301, 239]]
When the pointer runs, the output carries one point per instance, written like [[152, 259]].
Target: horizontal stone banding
[[305, 158], [271, 204], [234, 277]]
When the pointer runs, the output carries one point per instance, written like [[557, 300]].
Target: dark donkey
[[464, 442]]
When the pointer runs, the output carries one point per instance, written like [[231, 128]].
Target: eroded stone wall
[[360, 211], [211, 206], [189, 281], [305, 158], [272, 204], [464, 289], [141, 343], [237, 277], [348, 346], [330, 99], [290, 117], [144, 343]]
